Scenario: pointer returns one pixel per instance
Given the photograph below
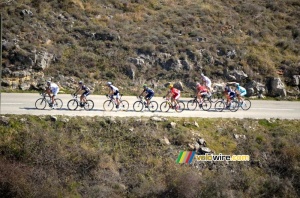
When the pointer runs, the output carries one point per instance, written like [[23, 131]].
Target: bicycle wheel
[[153, 105], [180, 107], [192, 104], [138, 106], [108, 105], [88, 105], [206, 105], [220, 106], [58, 103], [246, 104], [124, 105], [40, 103], [164, 106], [72, 104], [234, 106]]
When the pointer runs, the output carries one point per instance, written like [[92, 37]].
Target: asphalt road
[[24, 103]]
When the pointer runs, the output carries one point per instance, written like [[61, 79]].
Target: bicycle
[[205, 104], [167, 105], [139, 105], [41, 103], [233, 105], [75, 102], [215, 96], [109, 104], [245, 104]]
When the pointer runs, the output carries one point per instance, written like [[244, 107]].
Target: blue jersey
[[241, 89], [85, 88], [149, 91]]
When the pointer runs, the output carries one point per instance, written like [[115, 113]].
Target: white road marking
[[274, 109], [10, 103]]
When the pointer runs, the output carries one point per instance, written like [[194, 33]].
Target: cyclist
[[149, 94], [114, 91], [86, 92], [52, 88], [175, 95], [240, 92], [207, 83], [229, 95], [201, 91]]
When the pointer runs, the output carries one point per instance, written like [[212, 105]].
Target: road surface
[[23, 103]]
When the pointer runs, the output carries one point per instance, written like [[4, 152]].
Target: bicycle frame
[[44, 95]]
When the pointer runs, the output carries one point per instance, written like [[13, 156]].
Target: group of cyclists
[[202, 90]]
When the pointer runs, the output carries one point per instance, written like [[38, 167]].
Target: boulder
[[172, 125], [42, 60], [255, 89], [6, 83], [239, 75], [25, 86], [137, 61], [296, 80], [4, 120], [276, 87], [156, 119], [6, 72]]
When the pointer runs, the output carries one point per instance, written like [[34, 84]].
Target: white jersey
[[206, 79], [113, 88], [54, 88]]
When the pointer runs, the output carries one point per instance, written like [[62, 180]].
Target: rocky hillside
[[131, 42]]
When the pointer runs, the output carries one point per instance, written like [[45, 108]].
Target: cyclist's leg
[[55, 92], [208, 86], [203, 94], [199, 96], [83, 96], [242, 96], [147, 99], [176, 98], [117, 98]]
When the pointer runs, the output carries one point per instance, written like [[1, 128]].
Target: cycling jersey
[[149, 91], [114, 89], [201, 89], [207, 81], [85, 88], [242, 90], [174, 91], [54, 88]]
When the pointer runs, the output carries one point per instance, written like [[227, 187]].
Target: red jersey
[[174, 91], [201, 89]]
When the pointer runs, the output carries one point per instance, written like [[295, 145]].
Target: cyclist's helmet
[[197, 84], [144, 86], [80, 82], [170, 86], [108, 83], [48, 82], [237, 84]]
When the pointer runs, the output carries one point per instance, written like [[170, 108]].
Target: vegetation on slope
[[99, 40], [128, 157]]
